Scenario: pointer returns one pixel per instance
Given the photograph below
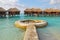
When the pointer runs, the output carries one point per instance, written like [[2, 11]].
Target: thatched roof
[[36, 10], [27, 10], [48, 10], [52, 10], [32, 10], [13, 9], [2, 9], [57, 10], [39, 10]]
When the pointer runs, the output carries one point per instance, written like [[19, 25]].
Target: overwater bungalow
[[13, 11], [51, 12], [27, 11], [48, 12], [33, 11], [36, 11], [2, 12], [57, 12], [39, 11]]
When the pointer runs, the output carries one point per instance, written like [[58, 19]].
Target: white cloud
[[8, 2], [52, 2], [55, 3], [11, 3]]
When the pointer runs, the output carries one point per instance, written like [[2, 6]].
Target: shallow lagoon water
[[9, 32]]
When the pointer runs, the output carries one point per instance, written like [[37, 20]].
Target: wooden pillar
[[49, 13], [45, 13], [4, 14]]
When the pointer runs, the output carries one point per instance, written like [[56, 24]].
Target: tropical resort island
[[29, 19], [35, 24]]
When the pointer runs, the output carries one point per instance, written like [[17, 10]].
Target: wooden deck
[[31, 33]]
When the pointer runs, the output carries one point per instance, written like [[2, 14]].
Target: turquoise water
[[9, 32]]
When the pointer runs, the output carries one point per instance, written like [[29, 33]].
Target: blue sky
[[37, 3], [40, 3], [22, 4]]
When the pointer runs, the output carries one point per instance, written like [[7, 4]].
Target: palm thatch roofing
[[52, 10], [27, 10], [48, 10], [57, 10], [38, 10], [2, 9], [32, 10], [13, 10]]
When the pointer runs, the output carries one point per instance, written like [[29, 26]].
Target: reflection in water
[[22, 16]]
